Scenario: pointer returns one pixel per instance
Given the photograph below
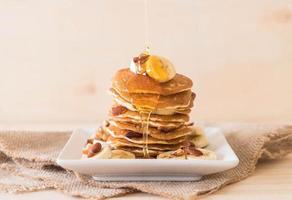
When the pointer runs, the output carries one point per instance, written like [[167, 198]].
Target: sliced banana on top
[[159, 68]]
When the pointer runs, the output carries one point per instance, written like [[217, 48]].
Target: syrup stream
[[145, 114], [146, 26], [145, 131]]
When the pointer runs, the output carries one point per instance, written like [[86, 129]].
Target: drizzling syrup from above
[[145, 130], [144, 112], [157, 68], [146, 27], [145, 115]]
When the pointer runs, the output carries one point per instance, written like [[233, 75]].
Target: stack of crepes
[[149, 119]]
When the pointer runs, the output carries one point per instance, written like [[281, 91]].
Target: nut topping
[[138, 64], [132, 134], [193, 151], [89, 141], [141, 59], [106, 123], [190, 124], [178, 152], [190, 149], [94, 149], [118, 110]]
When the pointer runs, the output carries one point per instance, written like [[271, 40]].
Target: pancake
[[164, 126], [153, 132], [159, 111], [127, 81], [156, 146], [139, 152], [162, 108], [116, 133], [118, 112], [121, 143], [152, 101]]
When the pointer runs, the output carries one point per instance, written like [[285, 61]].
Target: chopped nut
[[190, 124], [89, 141], [141, 59], [106, 123], [178, 152], [187, 143], [94, 149], [132, 134], [118, 110], [165, 130], [191, 150]]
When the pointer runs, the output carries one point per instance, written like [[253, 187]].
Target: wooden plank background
[[57, 56]]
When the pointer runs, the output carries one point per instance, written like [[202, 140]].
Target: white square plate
[[147, 169]]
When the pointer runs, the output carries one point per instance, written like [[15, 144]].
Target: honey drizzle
[[145, 130], [145, 114], [141, 110]]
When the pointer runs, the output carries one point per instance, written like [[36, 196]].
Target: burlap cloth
[[27, 163]]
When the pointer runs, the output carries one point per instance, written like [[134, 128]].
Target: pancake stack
[[150, 119]]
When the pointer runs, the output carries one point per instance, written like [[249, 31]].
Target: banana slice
[[198, 138], [199, 141], [121, 154], [159, 68]]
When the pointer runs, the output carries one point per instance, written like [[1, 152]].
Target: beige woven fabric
[[27, 163]]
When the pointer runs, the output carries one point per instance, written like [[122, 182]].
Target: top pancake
[[127, 81], [180, 100]]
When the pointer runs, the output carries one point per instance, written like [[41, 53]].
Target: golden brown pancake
[[127, 81], [182, 109], [152, 101], [155, 133], [116, 133], [198, 139], [122, 112], [162, 147], [164, 126]]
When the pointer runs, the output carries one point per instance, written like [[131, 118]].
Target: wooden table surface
[[272, 179]]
